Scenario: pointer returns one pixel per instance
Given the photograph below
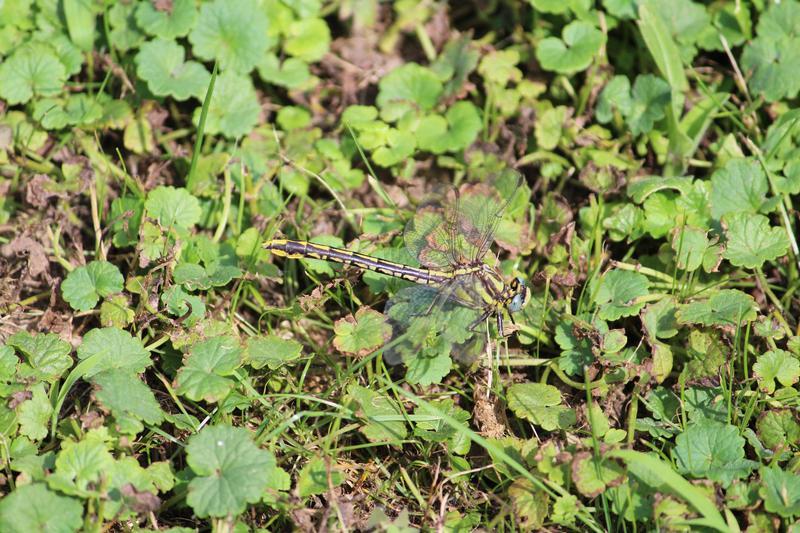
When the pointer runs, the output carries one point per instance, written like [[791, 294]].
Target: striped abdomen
[[299, 249]]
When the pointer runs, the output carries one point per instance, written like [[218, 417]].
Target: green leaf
[[34, 414], [33, 69], [617, 294], [293, 73], [617, 95], [777, 365], [399, 146], [271, 351], [383, 417], [116, 311], [778, 429], [234, 32], [205, 373], [541, 404], [231, 471], [499, 67], [173, 207], [592, 476], [167, 22], [729, 307], [408, 87], [774, 56], [125, 395], [80, 465], [693, 250], [161, 64], [125, 34], [431, 426], [659, 319], [35, 508], [549, 127], [579, 43], [179, 302], [85, 285], [780, 490], [650, 97], [752, 241], [113, 348], [234, 107], [713, 450], [193, 276], [740, 186], [46, 355], [318, 476], [362, 334], [308, 39], [662, 47]]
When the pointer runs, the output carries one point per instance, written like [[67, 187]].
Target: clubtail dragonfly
[[455, 291]]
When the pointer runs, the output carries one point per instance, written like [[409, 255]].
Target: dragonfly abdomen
[[298, 249]]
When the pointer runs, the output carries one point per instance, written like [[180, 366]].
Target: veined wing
[[461, 230]]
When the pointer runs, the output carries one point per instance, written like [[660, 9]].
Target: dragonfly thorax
[[519, 294]]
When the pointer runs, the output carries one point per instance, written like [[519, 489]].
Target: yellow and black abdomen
[[299, 249]]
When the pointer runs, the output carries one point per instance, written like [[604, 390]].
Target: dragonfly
[[454, 289]]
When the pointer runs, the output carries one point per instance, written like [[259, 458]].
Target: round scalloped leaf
[[46, 355], [231, 471], [752, 241], [205, 373], [399, 146], [125, 395], [780, 490], [362, 334], [729, 307], [618, 293], [740, 186], [579, 43], [308, 39], [234, 32], [166, 21], [234, 108], [113, 348], [712, 450], [271, 351], [650, 97], [161, 64], [124, 34], [408, 87], [775, 365], [291, 74], [85, 285], [173, 206], [35, 508], [777, 428], [541, 404], [33, 69]]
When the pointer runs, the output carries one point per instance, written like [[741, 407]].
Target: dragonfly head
[[520, 294]]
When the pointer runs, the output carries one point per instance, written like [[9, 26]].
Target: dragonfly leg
[[478, 321]]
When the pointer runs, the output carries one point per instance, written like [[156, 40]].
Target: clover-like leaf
[[455, 131], [205, 373], [499, 67], [712, 450], [125, 395], [729, 307], [180, 302], [383, 417], [173, 207], [308, 39], [113, 348], [780, 490], [618, 294], [231, 471], [85, 285], [615, 95], [752, 240], [410, 86], [35, 508], [777, 365], [46, 355], [125, 34], [541, 404], [167, 21], [234, 107], [33, 69], [234, 32], [271, 351], [579, 43], [161, 64], [362, 334], [399, 146]]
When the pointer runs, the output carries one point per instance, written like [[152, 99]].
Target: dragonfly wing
[[429, 324]]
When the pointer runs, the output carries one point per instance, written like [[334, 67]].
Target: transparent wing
[[431, 325], [459, 231]]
